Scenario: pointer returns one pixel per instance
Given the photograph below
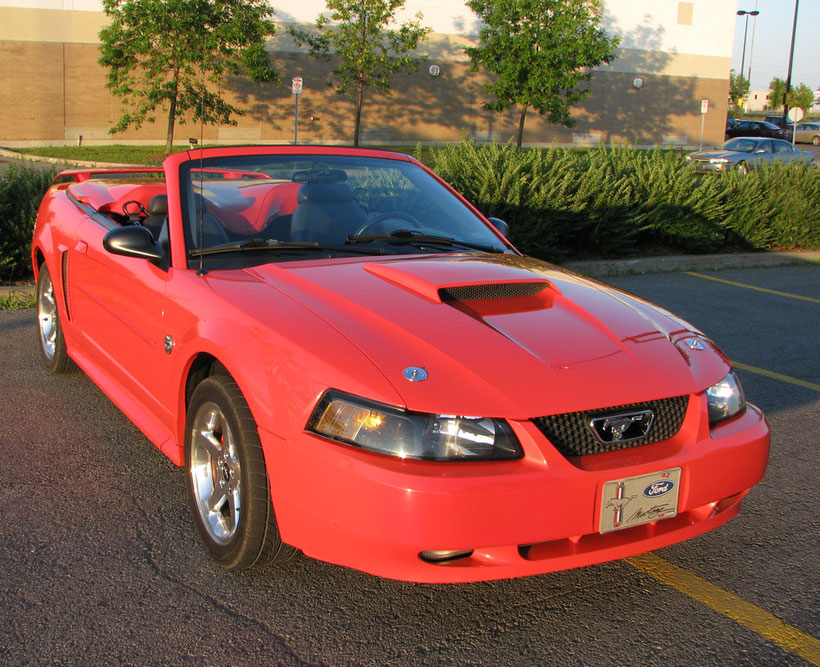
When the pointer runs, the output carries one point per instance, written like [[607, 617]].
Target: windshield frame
[[465, 221]]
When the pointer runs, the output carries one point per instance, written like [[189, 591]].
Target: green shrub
[[618, 201], [21, 189]]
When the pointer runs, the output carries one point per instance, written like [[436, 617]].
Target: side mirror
[[134, 241], [502, 227]]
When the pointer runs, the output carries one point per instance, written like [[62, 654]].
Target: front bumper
[[540, 514]]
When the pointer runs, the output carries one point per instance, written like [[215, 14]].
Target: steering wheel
[[393, 215], [134, 217]]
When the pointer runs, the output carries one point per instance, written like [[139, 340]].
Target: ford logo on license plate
[[659, 488]]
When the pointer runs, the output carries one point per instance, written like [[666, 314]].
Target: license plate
[[633, 501]]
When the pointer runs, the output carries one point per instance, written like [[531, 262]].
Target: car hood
[[500, 335]]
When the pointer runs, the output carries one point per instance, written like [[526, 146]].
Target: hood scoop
[[476, 291], [486, 285]]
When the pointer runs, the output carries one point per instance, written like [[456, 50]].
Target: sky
[[772, 39]]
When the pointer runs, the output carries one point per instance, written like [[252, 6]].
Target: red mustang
[[349, 360]]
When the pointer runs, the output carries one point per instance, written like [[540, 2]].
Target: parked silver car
[[808, 133], [744, 153]]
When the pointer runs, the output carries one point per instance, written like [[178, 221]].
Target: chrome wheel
[[47, 315], [215, 473]]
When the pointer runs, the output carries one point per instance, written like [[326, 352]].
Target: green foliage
[[368, 53], [21, 189], [621, 201], [802, 97], [538, 52], [777, 89], [17, 300], [174, 54], [738, 90]]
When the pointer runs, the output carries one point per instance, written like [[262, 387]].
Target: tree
[[802, 96], [738, 89], [173, 53], [777, 89], [538, 52], [368, 54]]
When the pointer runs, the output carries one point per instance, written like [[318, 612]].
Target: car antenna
[[201, 207]]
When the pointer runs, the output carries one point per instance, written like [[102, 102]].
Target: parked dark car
[[786, 124], [756, 128]]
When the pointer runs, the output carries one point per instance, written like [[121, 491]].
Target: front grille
[[571, 434], [491, 291]]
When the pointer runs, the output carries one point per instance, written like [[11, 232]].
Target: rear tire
[[228, 489], [50, 331], [815, 141]]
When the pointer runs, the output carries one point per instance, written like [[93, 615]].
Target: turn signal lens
[[412, 435]]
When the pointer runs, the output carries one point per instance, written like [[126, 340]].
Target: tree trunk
[[172, 114], [359, 102], [521, 124]]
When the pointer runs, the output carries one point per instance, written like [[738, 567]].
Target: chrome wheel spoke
[[215, 473]]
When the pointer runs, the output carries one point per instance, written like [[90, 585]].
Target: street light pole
[[742, 12], [752, 47], [791, 60]]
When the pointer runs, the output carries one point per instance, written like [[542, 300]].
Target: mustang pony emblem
[[622, 428]]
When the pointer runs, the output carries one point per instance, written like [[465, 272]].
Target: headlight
[[725, 399], [688, 158], [718, 160], [412, 435]]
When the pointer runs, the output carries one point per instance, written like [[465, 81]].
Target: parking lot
[[100, 563]]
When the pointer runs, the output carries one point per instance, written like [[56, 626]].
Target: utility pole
[[789, 76]]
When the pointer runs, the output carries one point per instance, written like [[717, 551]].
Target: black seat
[[327, 212], [157, 213]]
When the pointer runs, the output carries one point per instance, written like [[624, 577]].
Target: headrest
[[158, 205], [325, 193], [319, 176]]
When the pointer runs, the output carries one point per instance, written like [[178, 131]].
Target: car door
[[116, 305]]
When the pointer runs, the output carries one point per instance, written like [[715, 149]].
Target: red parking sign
[[296, 85]]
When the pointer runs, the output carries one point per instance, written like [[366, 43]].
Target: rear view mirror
[[502, 227]]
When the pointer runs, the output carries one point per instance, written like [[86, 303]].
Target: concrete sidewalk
[[609, 268]]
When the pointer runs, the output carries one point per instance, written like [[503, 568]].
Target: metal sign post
[[296, 87], [704, 107], [796, 114]]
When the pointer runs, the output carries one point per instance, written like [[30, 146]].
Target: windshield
[[740, 145], [323, 204]]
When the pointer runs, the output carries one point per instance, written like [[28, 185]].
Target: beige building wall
[[54, 91]]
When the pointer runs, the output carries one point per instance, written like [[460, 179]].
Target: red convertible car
[[350, 361]]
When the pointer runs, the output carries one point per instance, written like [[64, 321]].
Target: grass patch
[[151, 155], [17, 300]]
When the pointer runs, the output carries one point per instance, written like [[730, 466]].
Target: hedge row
[[21, 189], [617, 201], [565, 203]]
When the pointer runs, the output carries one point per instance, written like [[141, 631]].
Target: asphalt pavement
[[100, 563]]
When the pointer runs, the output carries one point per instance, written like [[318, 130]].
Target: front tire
[[742, 168], [52, 344], [815, 141], [228, 488]]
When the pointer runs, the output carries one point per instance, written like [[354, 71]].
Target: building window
[[685, 13]]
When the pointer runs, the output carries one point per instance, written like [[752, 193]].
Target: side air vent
[[65, 283], [492, 291]]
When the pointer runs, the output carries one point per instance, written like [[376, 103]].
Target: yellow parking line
[[777, 376], [759, 289], [731, 606]]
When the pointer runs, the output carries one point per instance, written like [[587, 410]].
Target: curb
[[642, 265], [23, 157], [674, 263]]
